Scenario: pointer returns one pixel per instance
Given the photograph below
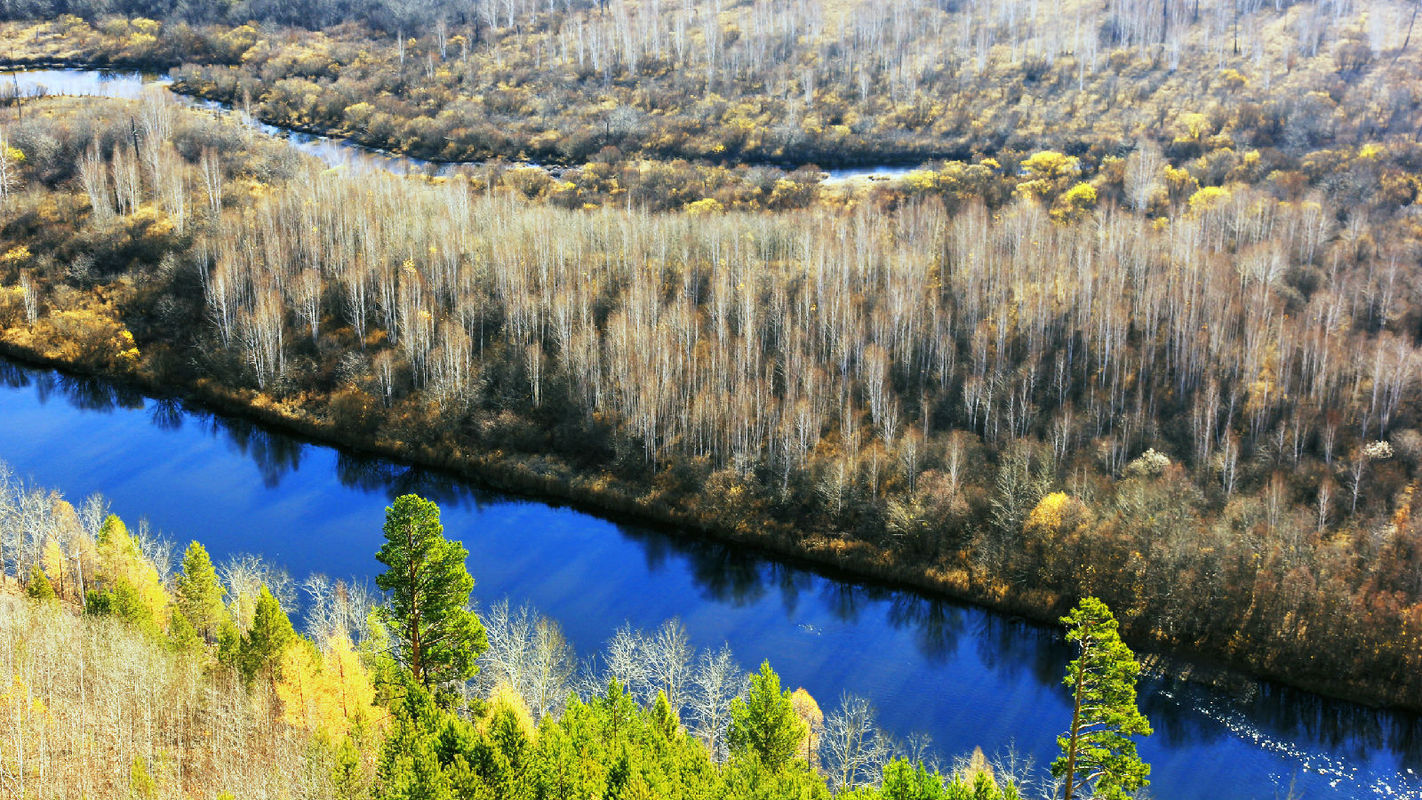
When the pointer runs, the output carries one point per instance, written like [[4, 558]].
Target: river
[[335, 152], [964, 676]]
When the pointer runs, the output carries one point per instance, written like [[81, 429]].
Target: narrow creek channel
[[334, 151]]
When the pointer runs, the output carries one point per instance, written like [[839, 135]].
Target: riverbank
[[887, 162], [604, 495], [736, 183]]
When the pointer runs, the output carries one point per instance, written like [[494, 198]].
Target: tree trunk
[[1075, 727], [416, 667], [1406, 40]]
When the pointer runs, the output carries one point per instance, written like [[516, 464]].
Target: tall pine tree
[[764, 724], [199, 593], [1098, 754], [261, 649], [437, 637]]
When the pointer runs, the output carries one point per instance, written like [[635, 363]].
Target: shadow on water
[[275, 454], [81, 392], [937, 624], [391, 479], [166, 414], [1183, 713], [14, 376], [1014, 646]]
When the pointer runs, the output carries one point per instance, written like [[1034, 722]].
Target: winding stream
[[335, 152], [965, 676]]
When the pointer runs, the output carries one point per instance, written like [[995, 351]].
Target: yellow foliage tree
[[809, 712], [1051, 166], [1054, 529], [703, 207], [1194, 128], [299, 686], [128, 576], [93, 335], [52, 562], [1208, 198], [1048, 513], [1179, 183], [355, 691], [1057, 514], [332, 695], [921, 180], [1075, 203], [1048, 173]]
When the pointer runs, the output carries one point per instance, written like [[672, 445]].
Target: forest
[[137, 673], [811, 82], [1205, 405], [1143, 325]]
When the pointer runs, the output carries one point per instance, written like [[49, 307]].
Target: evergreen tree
[[908, 781], [905, 780], [229, 643], [764, 724], [410, 767], [1098, 754], [181, 632], [499, 757], [663, 717], [271, 632], [39, 587], [199, 593], [437, 637]]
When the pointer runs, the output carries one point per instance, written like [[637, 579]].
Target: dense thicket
[[1202, 411], [808, 82], [110, 691], [391, 16]]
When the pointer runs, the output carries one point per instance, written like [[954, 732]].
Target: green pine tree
[[1098, 754], [181, 632], [39, 587], [410, 766], [663, 717], [764, 724], [262, 647], [229, 643], [437, 637], [200, 593]]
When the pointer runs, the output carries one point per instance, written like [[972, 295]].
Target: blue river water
[[967, 677]]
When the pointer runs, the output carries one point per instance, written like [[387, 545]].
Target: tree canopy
[[1098, 754], [437, 637], [262, 647], [764, 724], [199, 592]]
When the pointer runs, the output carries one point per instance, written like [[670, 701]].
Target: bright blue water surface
[[965, 676]]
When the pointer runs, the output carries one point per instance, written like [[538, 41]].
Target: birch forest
[[1141, 324]]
